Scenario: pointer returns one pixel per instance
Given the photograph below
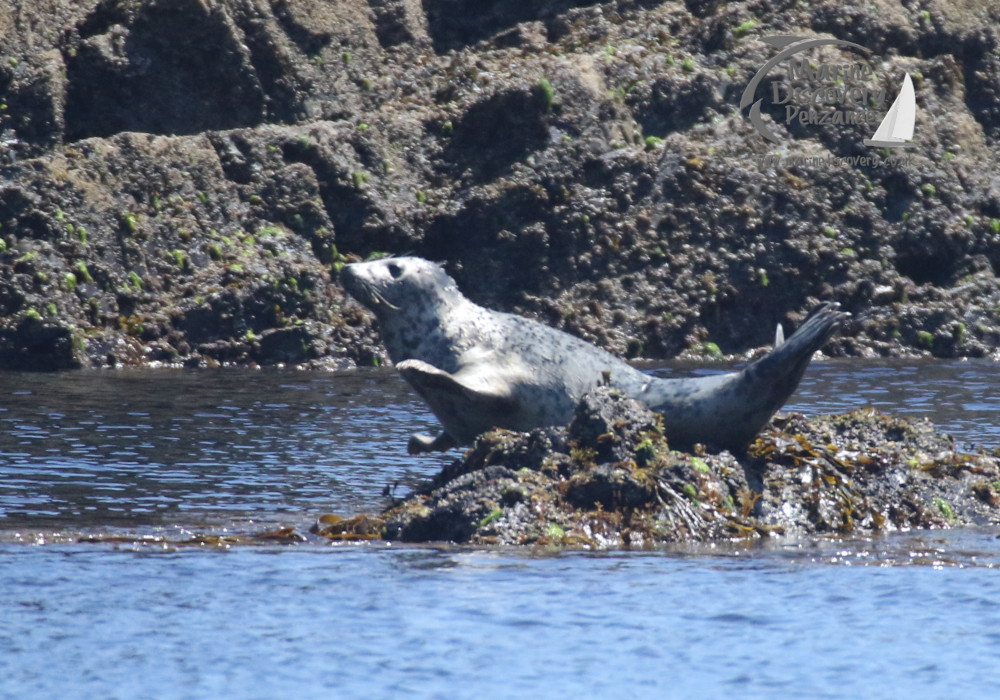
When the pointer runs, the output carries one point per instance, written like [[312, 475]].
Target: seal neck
[[428, 332]]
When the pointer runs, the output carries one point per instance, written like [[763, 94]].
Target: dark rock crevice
[[174, 67]]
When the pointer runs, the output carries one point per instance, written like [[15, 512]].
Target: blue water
[[379, 622], [165, 454]]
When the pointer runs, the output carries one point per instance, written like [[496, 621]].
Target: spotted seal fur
[[479, 369]]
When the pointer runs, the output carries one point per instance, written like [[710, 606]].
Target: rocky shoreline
[[180, 181]]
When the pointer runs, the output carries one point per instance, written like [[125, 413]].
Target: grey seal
[[479, 369]]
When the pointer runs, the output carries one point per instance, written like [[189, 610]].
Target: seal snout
[[351, 281], [361, 282], [355, 284]]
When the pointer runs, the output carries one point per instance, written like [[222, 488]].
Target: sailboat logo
[[788, 46], [840, 93], [896, 129]]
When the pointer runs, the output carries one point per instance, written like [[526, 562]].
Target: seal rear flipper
[[420, 443], [726, 411], [790, 357], [774, 377], [482, 388]]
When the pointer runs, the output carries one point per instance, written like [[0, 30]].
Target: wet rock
[[610, 422], [286, 346], [456, 23], [677, 102], [34, 344], [32, 93]]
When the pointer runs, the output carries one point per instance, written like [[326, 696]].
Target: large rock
[[580, 162]]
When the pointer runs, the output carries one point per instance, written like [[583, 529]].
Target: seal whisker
[[383, 301]]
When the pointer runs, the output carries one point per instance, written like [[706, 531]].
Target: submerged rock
[[610, 479]]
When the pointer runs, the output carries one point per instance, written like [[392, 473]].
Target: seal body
[[480, 369]]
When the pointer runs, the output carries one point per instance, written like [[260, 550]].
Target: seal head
[[416, 303]]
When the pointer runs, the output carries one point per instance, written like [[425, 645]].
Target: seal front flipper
[[471, 401], [483, 388]]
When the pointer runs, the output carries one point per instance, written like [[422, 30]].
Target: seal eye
[[395, 270]]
